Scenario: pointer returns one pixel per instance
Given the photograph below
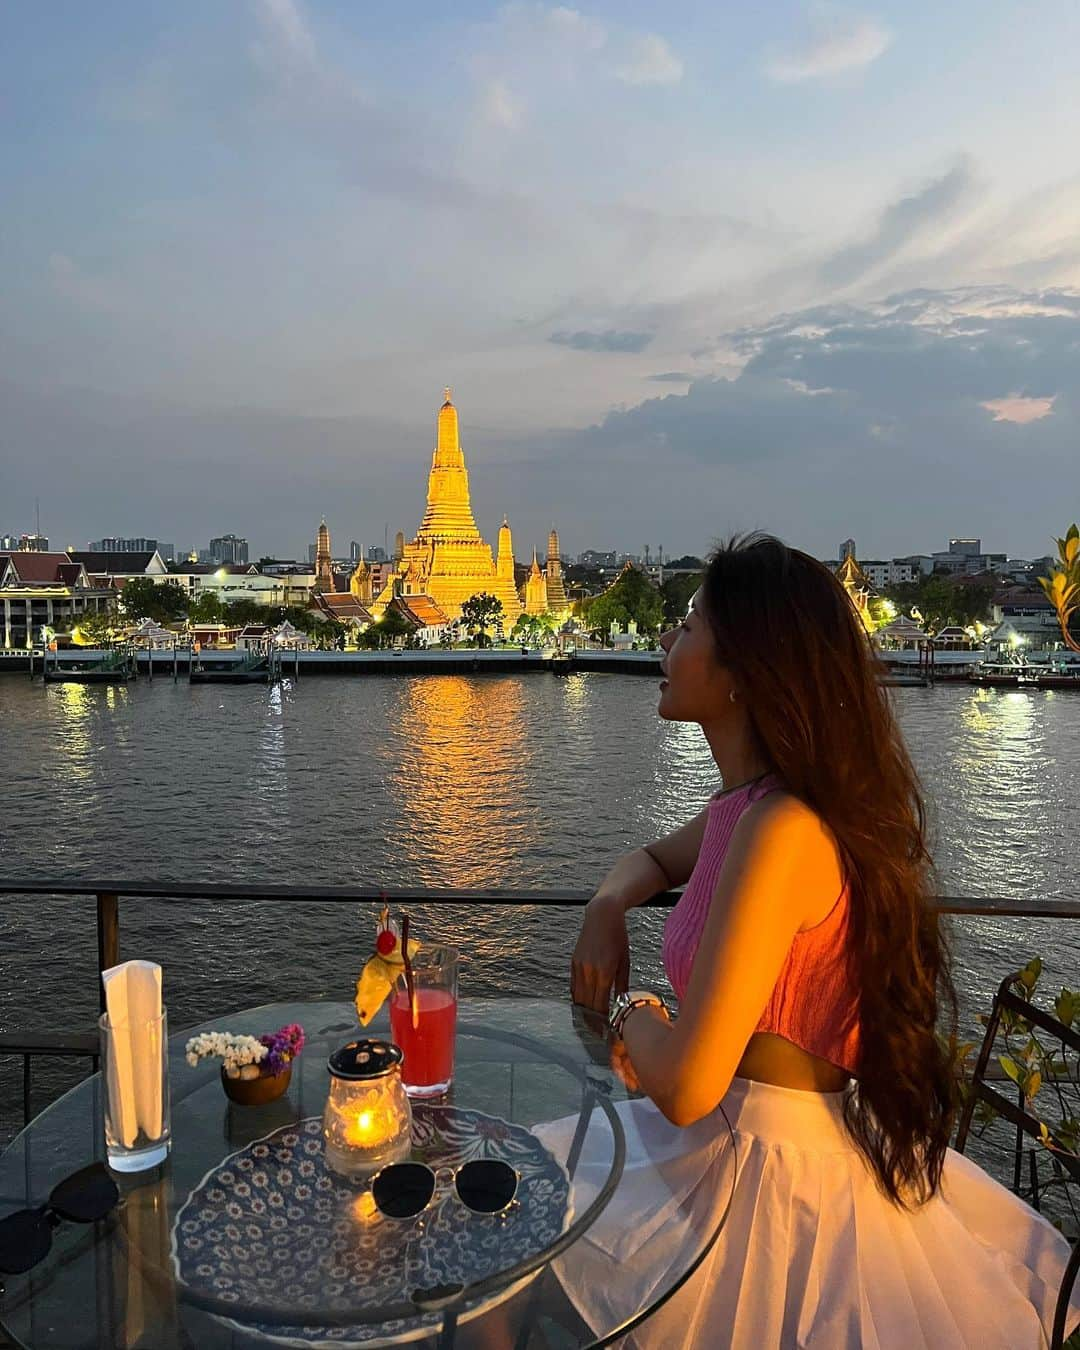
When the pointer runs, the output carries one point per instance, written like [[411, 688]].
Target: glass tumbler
[[426, 1032], [135, 1091]]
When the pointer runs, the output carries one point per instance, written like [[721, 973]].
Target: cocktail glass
[[426, 1033]]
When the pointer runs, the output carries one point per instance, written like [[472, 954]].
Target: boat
[[1004, 675], [1048, 676]]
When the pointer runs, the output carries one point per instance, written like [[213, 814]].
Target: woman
[[811, 977]]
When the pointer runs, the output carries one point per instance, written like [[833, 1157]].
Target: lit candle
[[367, 1120], [365, 1128]]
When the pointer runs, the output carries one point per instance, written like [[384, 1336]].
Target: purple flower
[[282, 1046]]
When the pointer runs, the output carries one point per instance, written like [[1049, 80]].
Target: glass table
[[521, 1063]]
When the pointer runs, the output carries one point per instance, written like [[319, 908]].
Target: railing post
[[108, 938]]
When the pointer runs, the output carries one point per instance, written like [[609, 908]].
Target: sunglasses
[[26, 1235], [484, 1186]]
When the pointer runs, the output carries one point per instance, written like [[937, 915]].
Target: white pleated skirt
[[811, 1253]]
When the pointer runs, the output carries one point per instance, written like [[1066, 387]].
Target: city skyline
[[689, 271]]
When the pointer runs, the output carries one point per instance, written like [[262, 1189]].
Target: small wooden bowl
[[256, 1091]]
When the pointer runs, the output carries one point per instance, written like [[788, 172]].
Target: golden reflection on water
[[463, 790], [76, 708], [1001, 751]]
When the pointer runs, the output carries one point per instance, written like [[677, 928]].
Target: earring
[[732, 696]]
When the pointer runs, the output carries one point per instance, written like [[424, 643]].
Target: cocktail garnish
[[382, 970]]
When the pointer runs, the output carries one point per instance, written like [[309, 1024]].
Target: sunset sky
[[689, 268]]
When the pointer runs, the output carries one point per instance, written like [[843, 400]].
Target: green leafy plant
[[1062, 586], [1046, 1072]]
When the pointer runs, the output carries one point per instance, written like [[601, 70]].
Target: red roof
[[422, 608], [43, 568], [340, 605]]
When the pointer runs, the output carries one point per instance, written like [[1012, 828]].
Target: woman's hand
[[621, 1066], [601, 959]]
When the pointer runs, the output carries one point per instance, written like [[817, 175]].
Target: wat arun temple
[[449, 560]]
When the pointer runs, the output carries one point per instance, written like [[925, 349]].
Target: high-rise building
[[375, 555], [25, 543], [228, 548], [847, 550], [355, 552], [113, 544], [967, 548]]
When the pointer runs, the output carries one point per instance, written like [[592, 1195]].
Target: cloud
[[543, 44], [672, 377], [650, 61], [837, 40], [499, 107], [902, 222], [1019, 409], [871, 417], [611, 341], [549, 30], [286, 46]]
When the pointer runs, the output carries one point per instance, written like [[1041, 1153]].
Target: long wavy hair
[[790, 636]]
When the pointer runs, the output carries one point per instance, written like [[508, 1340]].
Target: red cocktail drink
[[428, 1046]]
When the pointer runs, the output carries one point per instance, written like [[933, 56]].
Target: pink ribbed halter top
[[812, 1003]]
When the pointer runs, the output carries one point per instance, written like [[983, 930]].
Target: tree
[[479, 613], [882, 610], [96, 630], [677, 593], [206, 609], [632, 598], [162, 601], [687, 560], [942, 601], [246, 611], [385, 631]]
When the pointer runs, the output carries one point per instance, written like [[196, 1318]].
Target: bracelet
[[625, 1004]]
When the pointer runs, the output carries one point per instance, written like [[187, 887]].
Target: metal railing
[[108, 894]]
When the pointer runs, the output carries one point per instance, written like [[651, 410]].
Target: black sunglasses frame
[[86, 1196], [434, 1174]]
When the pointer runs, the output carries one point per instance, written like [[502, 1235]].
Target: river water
[[442, 781]]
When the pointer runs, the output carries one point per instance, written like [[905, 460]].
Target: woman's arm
[[602, 955], [780, 868]]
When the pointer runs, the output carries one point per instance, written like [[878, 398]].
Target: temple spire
[[448, 442], [448, 561], [324, 569], [504, 564]]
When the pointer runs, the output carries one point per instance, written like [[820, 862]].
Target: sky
[[689, 269]]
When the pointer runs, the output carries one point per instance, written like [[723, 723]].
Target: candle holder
[[367, 1122]]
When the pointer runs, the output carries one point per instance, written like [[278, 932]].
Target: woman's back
[[807, 1036]]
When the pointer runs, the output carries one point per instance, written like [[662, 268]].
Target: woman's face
[[695, 688]]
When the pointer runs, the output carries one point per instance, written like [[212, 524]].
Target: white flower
[[234, 1051]]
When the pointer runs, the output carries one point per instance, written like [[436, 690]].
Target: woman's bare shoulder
[[780, 820]]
